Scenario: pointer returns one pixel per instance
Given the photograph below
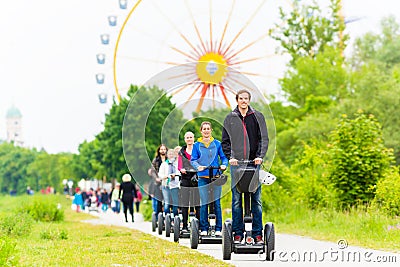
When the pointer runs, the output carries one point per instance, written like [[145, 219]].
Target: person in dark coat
[[128, 191]]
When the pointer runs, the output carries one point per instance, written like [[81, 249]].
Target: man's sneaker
[[185, 230], [258, 240], [203, 233], [218, 233], [237, 239]]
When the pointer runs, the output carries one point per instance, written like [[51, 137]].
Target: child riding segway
[[247, 178]]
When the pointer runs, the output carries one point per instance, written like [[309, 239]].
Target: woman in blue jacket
[[207, 151]]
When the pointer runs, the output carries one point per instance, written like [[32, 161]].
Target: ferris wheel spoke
[[203, 94], [183, 75], [239, 83], [245, 26], [175, 27], [227, 87], [248, 46], [183, 53], [192, 95], [222, 88], [211, 36], [150, 60], [196, 29], [226, 27], [251, 59], [185, 86]]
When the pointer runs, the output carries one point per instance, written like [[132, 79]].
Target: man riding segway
[[245, 139]]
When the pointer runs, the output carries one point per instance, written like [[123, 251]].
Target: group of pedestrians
[[244, 137], [125, 194]]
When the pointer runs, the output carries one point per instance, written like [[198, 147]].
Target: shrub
[[53, 234], [359, 158], [387, 197], [146, 209], [41, 209], [16, 224], [312, 186], [8, 252]]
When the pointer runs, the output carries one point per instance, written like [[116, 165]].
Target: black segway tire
[[160, 223], [177, 223], [269, 241], [226, 242], [194, 234], [153, 222], [168, 225]]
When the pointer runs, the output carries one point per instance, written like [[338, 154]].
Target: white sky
[[48, 64]]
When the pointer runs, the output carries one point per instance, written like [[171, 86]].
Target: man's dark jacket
[[245, 137]]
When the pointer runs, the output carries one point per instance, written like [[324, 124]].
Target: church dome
[[13, 112]]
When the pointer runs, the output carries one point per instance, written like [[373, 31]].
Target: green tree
[[14, 162], [307, 30], [376, 80], [359, 158], [150, 120], [382, 48]]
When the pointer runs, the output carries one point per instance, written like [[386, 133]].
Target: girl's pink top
[[180, 164]]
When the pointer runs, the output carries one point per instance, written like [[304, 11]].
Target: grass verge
[[72, 243]]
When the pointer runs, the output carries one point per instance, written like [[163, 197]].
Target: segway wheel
[[153, 222], [194, 234], [177, 223], [160, 223], [269, 241], [226, 242], [168, 225]]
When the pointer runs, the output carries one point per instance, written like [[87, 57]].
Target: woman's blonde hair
[[126, 177]]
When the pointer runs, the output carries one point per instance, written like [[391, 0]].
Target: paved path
[[292, 250]]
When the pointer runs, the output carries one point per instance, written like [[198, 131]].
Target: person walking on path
[[115, 202], [128, 191], [245, 137], [78, 200], [104, 199], [139, 198]]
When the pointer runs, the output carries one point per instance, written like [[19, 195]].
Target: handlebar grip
[[247, 161]]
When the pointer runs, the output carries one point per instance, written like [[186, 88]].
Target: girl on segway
[[169, 175], [207, 152]]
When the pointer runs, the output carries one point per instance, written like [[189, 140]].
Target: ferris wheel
[[217, 42]]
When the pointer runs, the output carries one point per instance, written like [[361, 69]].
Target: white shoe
[[203, 233], [218, 233]]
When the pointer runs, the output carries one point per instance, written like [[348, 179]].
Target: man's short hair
[[242, 91]]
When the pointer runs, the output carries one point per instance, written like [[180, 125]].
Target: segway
[[210, 238], [178, 233], [247, 178]]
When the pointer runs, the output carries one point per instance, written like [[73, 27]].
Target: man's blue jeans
[[237, 209], [204, 189]]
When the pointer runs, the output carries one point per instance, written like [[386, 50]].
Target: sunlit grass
[[73, 243], [359, 227]]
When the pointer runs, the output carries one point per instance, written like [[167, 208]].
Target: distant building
[[14, 126]]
